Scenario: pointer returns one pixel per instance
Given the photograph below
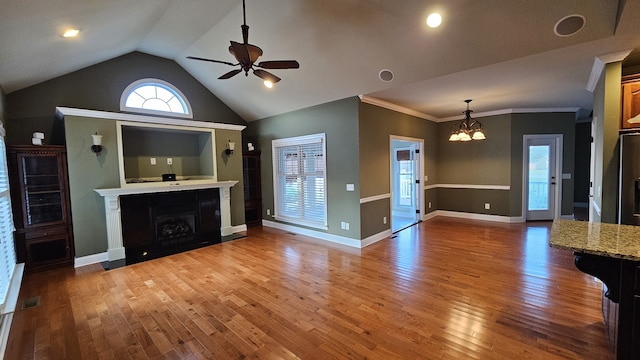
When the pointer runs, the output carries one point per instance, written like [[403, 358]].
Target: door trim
[[558, 188], [420, 163]]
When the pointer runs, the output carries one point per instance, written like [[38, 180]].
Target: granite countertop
[[611, 240]]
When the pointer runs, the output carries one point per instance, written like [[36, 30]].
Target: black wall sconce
[[230, 147], [97, 143]]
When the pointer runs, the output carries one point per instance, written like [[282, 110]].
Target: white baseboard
[[484, 217], [239, 228], [581, 204], [314, 234], [376, 237], [430, 215], [91, 259]]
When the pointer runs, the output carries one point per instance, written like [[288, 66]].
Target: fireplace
[[114, 220], [175, 229], [160, 224]]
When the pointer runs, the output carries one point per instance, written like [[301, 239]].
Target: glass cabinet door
[[43, 189]]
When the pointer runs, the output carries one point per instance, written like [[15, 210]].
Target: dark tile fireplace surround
[[165, 223]]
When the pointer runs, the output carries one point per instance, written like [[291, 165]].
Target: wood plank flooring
[[444, 289]]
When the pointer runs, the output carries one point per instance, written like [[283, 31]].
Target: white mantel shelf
[[112, 207], [148, 188]]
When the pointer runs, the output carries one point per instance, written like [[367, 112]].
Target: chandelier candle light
[[468, 129]]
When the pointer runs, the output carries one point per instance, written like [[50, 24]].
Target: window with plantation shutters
[[7, 252], [300, 180]]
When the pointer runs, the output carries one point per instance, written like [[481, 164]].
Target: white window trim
[[299, 140], [137, 83]]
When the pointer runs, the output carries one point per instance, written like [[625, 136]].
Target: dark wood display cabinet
[[252, 188], [41, 210]]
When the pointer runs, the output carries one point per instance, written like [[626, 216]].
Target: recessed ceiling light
[[434, 20], [71, 33]]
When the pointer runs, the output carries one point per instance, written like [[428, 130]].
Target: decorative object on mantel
[[230, 147], [468, 129], [247, 54], [38, 138], [250, 147], [97, 143]]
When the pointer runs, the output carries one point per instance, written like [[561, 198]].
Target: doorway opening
[[542, 180], [406, 184]]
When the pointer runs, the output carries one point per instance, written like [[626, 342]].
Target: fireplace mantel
[[112, 208]]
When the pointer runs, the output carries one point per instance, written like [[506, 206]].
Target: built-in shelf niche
[[190, 149]]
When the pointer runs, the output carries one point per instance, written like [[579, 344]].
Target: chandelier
[[468, 129]]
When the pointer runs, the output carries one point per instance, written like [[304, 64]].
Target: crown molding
[[598, 66], [391, 106]]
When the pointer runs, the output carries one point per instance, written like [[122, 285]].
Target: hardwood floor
[[444, 289]]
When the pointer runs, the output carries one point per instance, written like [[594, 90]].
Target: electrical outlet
[[429, 204], [169, 161], [268, 211], [342, 225], [487, 206], [384, 219], [153, 161], [346, 226]]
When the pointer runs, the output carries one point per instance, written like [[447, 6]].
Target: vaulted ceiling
[[503, 54]]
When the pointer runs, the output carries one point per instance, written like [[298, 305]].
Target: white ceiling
[[503, 54]]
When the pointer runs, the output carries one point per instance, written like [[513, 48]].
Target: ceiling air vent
[[569, 25], [385, 75]]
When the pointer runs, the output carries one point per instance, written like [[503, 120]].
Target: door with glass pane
[[405, 183], [541, 178]]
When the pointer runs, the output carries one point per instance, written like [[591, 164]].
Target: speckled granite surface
[[618, 241]]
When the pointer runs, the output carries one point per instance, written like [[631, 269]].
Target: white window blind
[[300, 180], [7, 252]]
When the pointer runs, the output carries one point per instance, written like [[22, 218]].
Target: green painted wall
[[486, 162], [339, 121], [606, 119], [542, 123], [87, 172], [376, 126], [230, 168], [184, 148], [99, 87], [473, 200]]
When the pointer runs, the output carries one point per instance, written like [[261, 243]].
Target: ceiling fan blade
[[265, 75], [211, 60], [230, 74], [279, 64]]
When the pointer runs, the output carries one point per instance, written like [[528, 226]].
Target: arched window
[[156, 97]]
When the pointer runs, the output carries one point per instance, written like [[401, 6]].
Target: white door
[[405, 185], [541, 177]]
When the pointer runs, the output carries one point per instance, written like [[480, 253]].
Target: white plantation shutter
[[300, 180], [7, 252]]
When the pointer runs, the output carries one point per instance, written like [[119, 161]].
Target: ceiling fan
[[247, 54]]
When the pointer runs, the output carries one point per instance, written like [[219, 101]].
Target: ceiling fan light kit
[[247, 54], [468, 129]]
